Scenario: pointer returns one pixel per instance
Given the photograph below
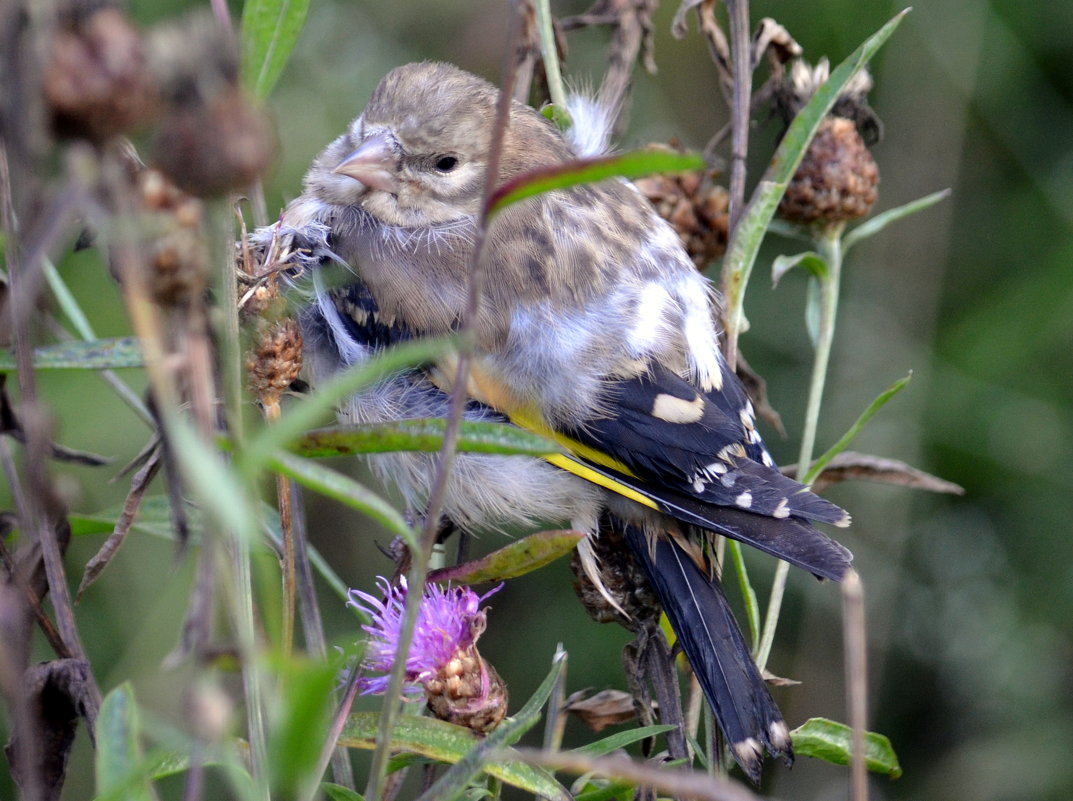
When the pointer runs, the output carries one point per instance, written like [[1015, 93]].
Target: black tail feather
[[700, 615]]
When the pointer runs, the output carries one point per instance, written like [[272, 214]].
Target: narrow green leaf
[[421, 435], [270, 29], [513, 560], [635, 164], [344, 489], [745, 243], [301, 725], [445, 742], [337, 792], [216, 485], [311, 411], [622, 791], [453, 784], [809, 260], [876, 224], [855, 429], [619, 740], [526, 717], [119, 762], [93, 354], [825, 739]]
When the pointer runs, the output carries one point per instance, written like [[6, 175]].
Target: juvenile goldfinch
[[594, 325]]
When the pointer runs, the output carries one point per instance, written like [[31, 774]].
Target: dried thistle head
[[173, 239], [211, 138], [275, 360], [695, 206], [96, 80], [836, 181], [623, 579]]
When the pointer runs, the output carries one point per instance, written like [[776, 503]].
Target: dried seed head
[[696, 207], [96, 82], [468, 692], [275, 360], [177, 255], [211, 138], [622, 577], [837, 179]]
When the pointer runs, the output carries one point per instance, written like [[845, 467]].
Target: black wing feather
[[715, 458], [700, 615]]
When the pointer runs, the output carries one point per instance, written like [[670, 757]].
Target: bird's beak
[[373, 163]]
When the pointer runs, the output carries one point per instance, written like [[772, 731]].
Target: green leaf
[[635, 164], [270, 29], [344, 489], [421, 435], [309, 412], [825, 739], [446, 742], [93, 354], [119, 763], [745, 243], [855, 429], [154, 518], [809, 260], [876, 224], [623, 791], [619, 740], [453, 784], [513, 560], [304, 699], [337, 792], [215, 483], [558, 115]]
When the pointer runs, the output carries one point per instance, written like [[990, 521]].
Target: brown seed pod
[[211, 138], [696, 207], [623, 579], [96, 82], [275, 360], [837, 179], [468, 692]]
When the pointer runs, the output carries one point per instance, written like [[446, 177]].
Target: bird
[[594, 327]]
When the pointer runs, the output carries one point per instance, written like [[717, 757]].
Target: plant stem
[[829, 246], [549, 53]]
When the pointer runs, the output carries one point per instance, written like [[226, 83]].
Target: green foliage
[[825, 739], [636, 164], [270, 29]]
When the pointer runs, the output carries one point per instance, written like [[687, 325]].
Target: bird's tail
[[701, 618]]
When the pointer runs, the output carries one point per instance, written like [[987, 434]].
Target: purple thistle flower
[[449, 620]]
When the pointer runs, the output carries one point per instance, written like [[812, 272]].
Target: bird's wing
[[696, 457]]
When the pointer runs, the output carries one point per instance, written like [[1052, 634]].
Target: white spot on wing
[[745, 500], [677, 410]]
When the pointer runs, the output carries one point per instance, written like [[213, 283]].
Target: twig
[[855, 644], [419, 566], [738, 12]]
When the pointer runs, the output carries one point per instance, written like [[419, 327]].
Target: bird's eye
[[446, 163]]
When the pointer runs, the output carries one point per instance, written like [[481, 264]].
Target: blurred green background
[[969, 598]]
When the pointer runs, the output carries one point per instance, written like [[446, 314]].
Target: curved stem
[[829, 246]]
